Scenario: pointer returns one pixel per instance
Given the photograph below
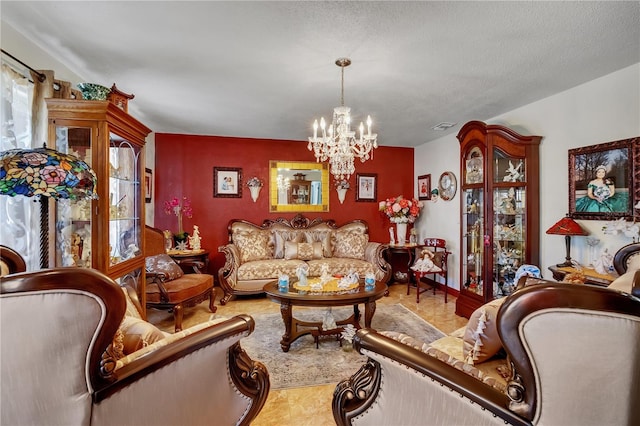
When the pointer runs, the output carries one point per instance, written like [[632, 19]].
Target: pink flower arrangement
[[179, 208], [401, 210]]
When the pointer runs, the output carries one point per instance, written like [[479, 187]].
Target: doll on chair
[[425, 262]]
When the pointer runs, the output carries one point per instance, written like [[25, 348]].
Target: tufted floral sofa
[[257, 254]]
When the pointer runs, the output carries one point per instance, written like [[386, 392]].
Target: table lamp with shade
[[567, 227]]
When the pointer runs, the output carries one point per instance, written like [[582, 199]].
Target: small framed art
[[366, 187], [227, 182], [424, 187], [148, 185]]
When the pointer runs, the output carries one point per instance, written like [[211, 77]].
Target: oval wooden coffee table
[[294, 328]]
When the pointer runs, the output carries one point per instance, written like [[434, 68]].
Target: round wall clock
[[447, 185]]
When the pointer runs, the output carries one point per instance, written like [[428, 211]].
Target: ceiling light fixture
[[338, 144], [443, 126]]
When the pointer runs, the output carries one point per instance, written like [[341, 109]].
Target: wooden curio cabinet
[[299, 192], [106, 233], [499, 199]]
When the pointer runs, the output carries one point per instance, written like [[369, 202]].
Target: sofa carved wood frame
[[298, 222]]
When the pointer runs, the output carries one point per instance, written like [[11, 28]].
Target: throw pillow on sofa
[[138, 334], [280, 237], [349, 244], [253, 245], [481, 340], [323, 237], [302, 251]]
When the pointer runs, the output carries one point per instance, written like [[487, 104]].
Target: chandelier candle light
[[338, 144]]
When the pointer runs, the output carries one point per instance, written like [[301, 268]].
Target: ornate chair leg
[[177, 316], [212, 300]]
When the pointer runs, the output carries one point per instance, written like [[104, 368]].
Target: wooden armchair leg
[[177, 317], [212, 300]]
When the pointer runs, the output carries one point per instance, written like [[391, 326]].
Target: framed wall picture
[[366, 187], [424, 187], [601, 184], [447, 186], [227, 182], [148, 185]]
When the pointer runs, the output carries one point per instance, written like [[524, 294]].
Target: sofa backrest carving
[[278, 237]]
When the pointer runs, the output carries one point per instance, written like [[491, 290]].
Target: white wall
[[603, 110]]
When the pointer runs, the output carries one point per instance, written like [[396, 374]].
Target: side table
[[394, 253], [191, 261], [592, 277]]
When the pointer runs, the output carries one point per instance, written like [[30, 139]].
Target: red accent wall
[[184, 167]]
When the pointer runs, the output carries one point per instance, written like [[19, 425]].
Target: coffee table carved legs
[[294, 328], [369, 310]]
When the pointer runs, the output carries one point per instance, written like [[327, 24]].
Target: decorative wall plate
[[447, 185]]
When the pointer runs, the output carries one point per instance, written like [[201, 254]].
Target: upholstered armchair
[[573, 356], [59, 364], [168, 287]]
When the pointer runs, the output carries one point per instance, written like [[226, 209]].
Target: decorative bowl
[[94, 92]]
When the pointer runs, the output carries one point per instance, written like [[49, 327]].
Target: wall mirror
[[296, 186]]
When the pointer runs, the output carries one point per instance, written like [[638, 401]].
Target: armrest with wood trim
[[210, 387]]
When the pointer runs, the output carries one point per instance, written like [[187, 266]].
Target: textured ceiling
[[266, 69]]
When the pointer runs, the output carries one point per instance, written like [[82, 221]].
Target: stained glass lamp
[[567, 227], [45, 173]]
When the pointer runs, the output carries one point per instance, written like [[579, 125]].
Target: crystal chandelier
[[282, 182], [338, 144]]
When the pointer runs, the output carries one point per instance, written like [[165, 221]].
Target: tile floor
[[312, 405]]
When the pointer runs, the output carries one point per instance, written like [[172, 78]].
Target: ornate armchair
[[58, 363], [168, 288], [573, 356]]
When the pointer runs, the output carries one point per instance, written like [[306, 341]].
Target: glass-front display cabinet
[[107, 233], [500, 228]]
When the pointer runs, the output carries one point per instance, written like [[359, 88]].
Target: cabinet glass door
[[473, 241], [509, 221], [124, 200], [508, 237], [73, 217]]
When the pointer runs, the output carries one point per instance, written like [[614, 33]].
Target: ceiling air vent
[[443, 126]]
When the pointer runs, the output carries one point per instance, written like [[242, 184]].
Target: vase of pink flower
[[179, 207], [401, 211]]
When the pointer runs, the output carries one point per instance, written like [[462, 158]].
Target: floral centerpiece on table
[[179, 208], [401, 210], [254, 182]]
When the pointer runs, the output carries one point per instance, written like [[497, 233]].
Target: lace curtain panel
[[19, 216]]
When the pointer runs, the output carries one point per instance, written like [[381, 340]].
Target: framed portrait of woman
[[601, 184]]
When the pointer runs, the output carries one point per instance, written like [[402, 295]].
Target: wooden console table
[[186, 259], [394, 254], [592, 277]]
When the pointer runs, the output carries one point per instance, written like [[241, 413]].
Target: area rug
[[304, 365]]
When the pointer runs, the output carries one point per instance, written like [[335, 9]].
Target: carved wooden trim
[[356, 394], [252, 379]]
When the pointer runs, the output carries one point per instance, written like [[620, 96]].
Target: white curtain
[[19, 216]]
